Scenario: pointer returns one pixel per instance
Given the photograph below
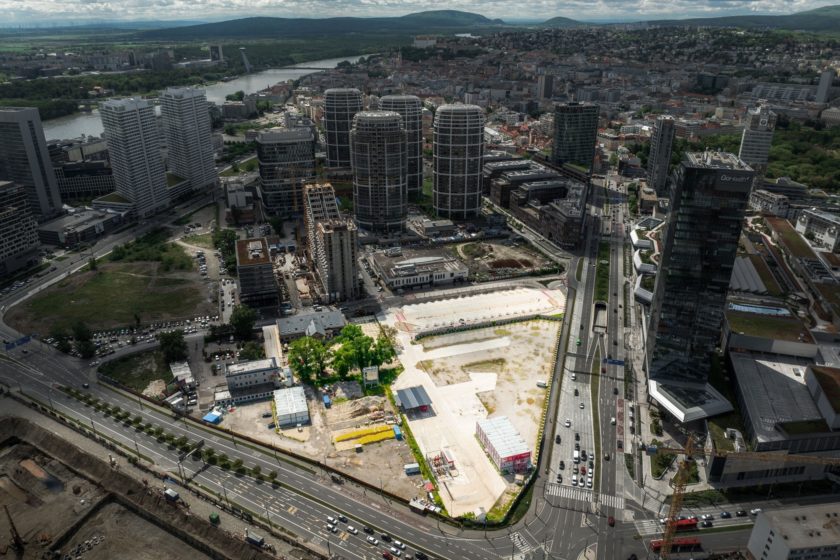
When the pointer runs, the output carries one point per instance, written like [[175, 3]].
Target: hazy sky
[[47, 11]]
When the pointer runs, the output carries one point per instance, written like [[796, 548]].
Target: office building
[[332, 243], [257, 283], [134, 147], [249, 381], [287, 161], [340, 106], [659, 159], [186, 123], [378, 154], [708, 199], [458, 152], [84, 179], [767, 202], [822, 228], [757, 137], [823, 93], [796, 533], [216, 53], [18, 234], [25, 160], [411, 110], [575, 133], [545, 86]]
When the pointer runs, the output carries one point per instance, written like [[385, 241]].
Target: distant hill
[[277, 28], [560, 22], [822, 19]]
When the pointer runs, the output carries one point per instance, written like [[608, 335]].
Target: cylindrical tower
[[411, 110], [458, 153], [340, 105], [378, 153]]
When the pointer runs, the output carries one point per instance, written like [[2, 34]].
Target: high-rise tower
[[340, 106], [575, 132], [378, 153], [458, 153], [411, 111], [134, 148], [709, 195], [659, 159], [18, 230], [186, 123], [25, 160], [287, 161], [757, 138]]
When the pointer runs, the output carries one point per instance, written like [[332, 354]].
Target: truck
[[254, 539], [327, 401], [171, 495]]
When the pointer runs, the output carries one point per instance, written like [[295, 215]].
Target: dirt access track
[[63, 497]]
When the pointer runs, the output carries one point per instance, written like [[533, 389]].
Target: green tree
[[252, 351], [92, 263], [230, 130], [173, 346], [235, 96], [242, 321], [308, 357], [83, 339]]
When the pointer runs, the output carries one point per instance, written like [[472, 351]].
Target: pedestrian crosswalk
[[647, 527], [583, 495], [521, 544]]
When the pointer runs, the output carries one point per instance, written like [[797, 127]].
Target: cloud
[[49, 11]]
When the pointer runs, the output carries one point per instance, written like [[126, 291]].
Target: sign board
[[370, 375]]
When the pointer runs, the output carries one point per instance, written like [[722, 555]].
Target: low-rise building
[[248, 381], [408, 271], [434, 228], [821, 227], [796, 533], [290, 406], [647, 200], [84, 179], [79, 226], [318, 324], [503, 444], [767, 202], [257, 283]]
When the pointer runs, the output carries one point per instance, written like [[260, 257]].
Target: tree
[[307, 357], [230, 130], [83, 338], [173, 346], [236, 96], [242, 320], [256, 470], [252, 351], [92, 263]]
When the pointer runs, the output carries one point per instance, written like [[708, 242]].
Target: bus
[[681, 544]]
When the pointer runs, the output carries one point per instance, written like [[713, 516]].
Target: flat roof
[[271, 342], [303, 322], [688, 401], [248, 367], [714, 159], [504, 438], [774, 392], [413, 397], [778, 327], [290, 401], [78, 219], [793, 242], [807, 526], [829, 380], [251, 252]]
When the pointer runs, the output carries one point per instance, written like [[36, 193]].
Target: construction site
[[59, 502]]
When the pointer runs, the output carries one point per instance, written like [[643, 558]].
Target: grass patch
[[630, 464], [766, 276], [766, 326], [474, 250], [138, 370], [660, 462], [114, 295], [249, 164], [204, 240], [693, 473], [761, 492], [489, 366], [602, 272], [154, 247]]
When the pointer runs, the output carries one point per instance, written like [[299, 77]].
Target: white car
[[755, 511], [568, 423], [574, 480], [372, 541], [395, 551], [352, 530], [399, 545], [707, 516]]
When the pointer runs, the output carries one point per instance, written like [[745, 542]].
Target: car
[[557, 439], [707, 516], [619, 444], [568, 423], [559, 478], [387, 555], [85, 385], [578, 342], [615, 390], [562, 465], [577, 436], [421, 556], [385, 537], [395, 551], [663, 520], [581, 405], [707, 523], [372, 541], [331, 520], [331, 528], [741, 513], [576, 392], [367, 530], [612, 420], [589, 482], [725, 515], [611, 521], [342, 518], [577, 447], [574, 480], [755, 511], [583, 454], [399, 545], [606, 456]]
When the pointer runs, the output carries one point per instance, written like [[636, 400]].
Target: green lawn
[[204, 240], [138, 370], [766, 276], [767, 326], [110, 297], [250, 164], [602, 273]]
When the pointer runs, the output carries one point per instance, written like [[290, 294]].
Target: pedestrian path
[[583, 495], [520, 542]]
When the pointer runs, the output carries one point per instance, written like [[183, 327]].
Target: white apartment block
[[796, 533], [769, 203], [134, 147], [186, 122], [822, 228]]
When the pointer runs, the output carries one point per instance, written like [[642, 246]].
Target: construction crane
[[17, 540], [680, 480]]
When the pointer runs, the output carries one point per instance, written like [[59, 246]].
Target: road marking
[[583, 495], [647, 527], [292, 509], [520, 542]]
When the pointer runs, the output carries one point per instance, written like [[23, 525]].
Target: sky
[[54, 12]]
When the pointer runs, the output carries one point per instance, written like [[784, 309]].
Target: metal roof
[[413, 397]]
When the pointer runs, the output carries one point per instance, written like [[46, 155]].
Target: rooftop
[[778, 327], [291, 400], [713, 159], [303, 323], [774, 392], [687, 401], [503, 436], [807, 526], [413, 397], [113, 197], [790, 238], [829, 380], [251, 252], [823, 215], [78, 219], [252, 366]]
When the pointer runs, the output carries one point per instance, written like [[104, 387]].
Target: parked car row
[[393, 547]]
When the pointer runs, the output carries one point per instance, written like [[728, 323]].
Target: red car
[[611, 521], [583, 470]]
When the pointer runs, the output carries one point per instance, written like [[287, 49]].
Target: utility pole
[[17, 540]]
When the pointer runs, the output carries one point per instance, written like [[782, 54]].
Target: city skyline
[[38, 13]]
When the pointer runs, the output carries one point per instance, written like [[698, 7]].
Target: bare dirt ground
[[128, 536], [495, 258]]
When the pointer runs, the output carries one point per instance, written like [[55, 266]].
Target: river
[[73, 126]]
